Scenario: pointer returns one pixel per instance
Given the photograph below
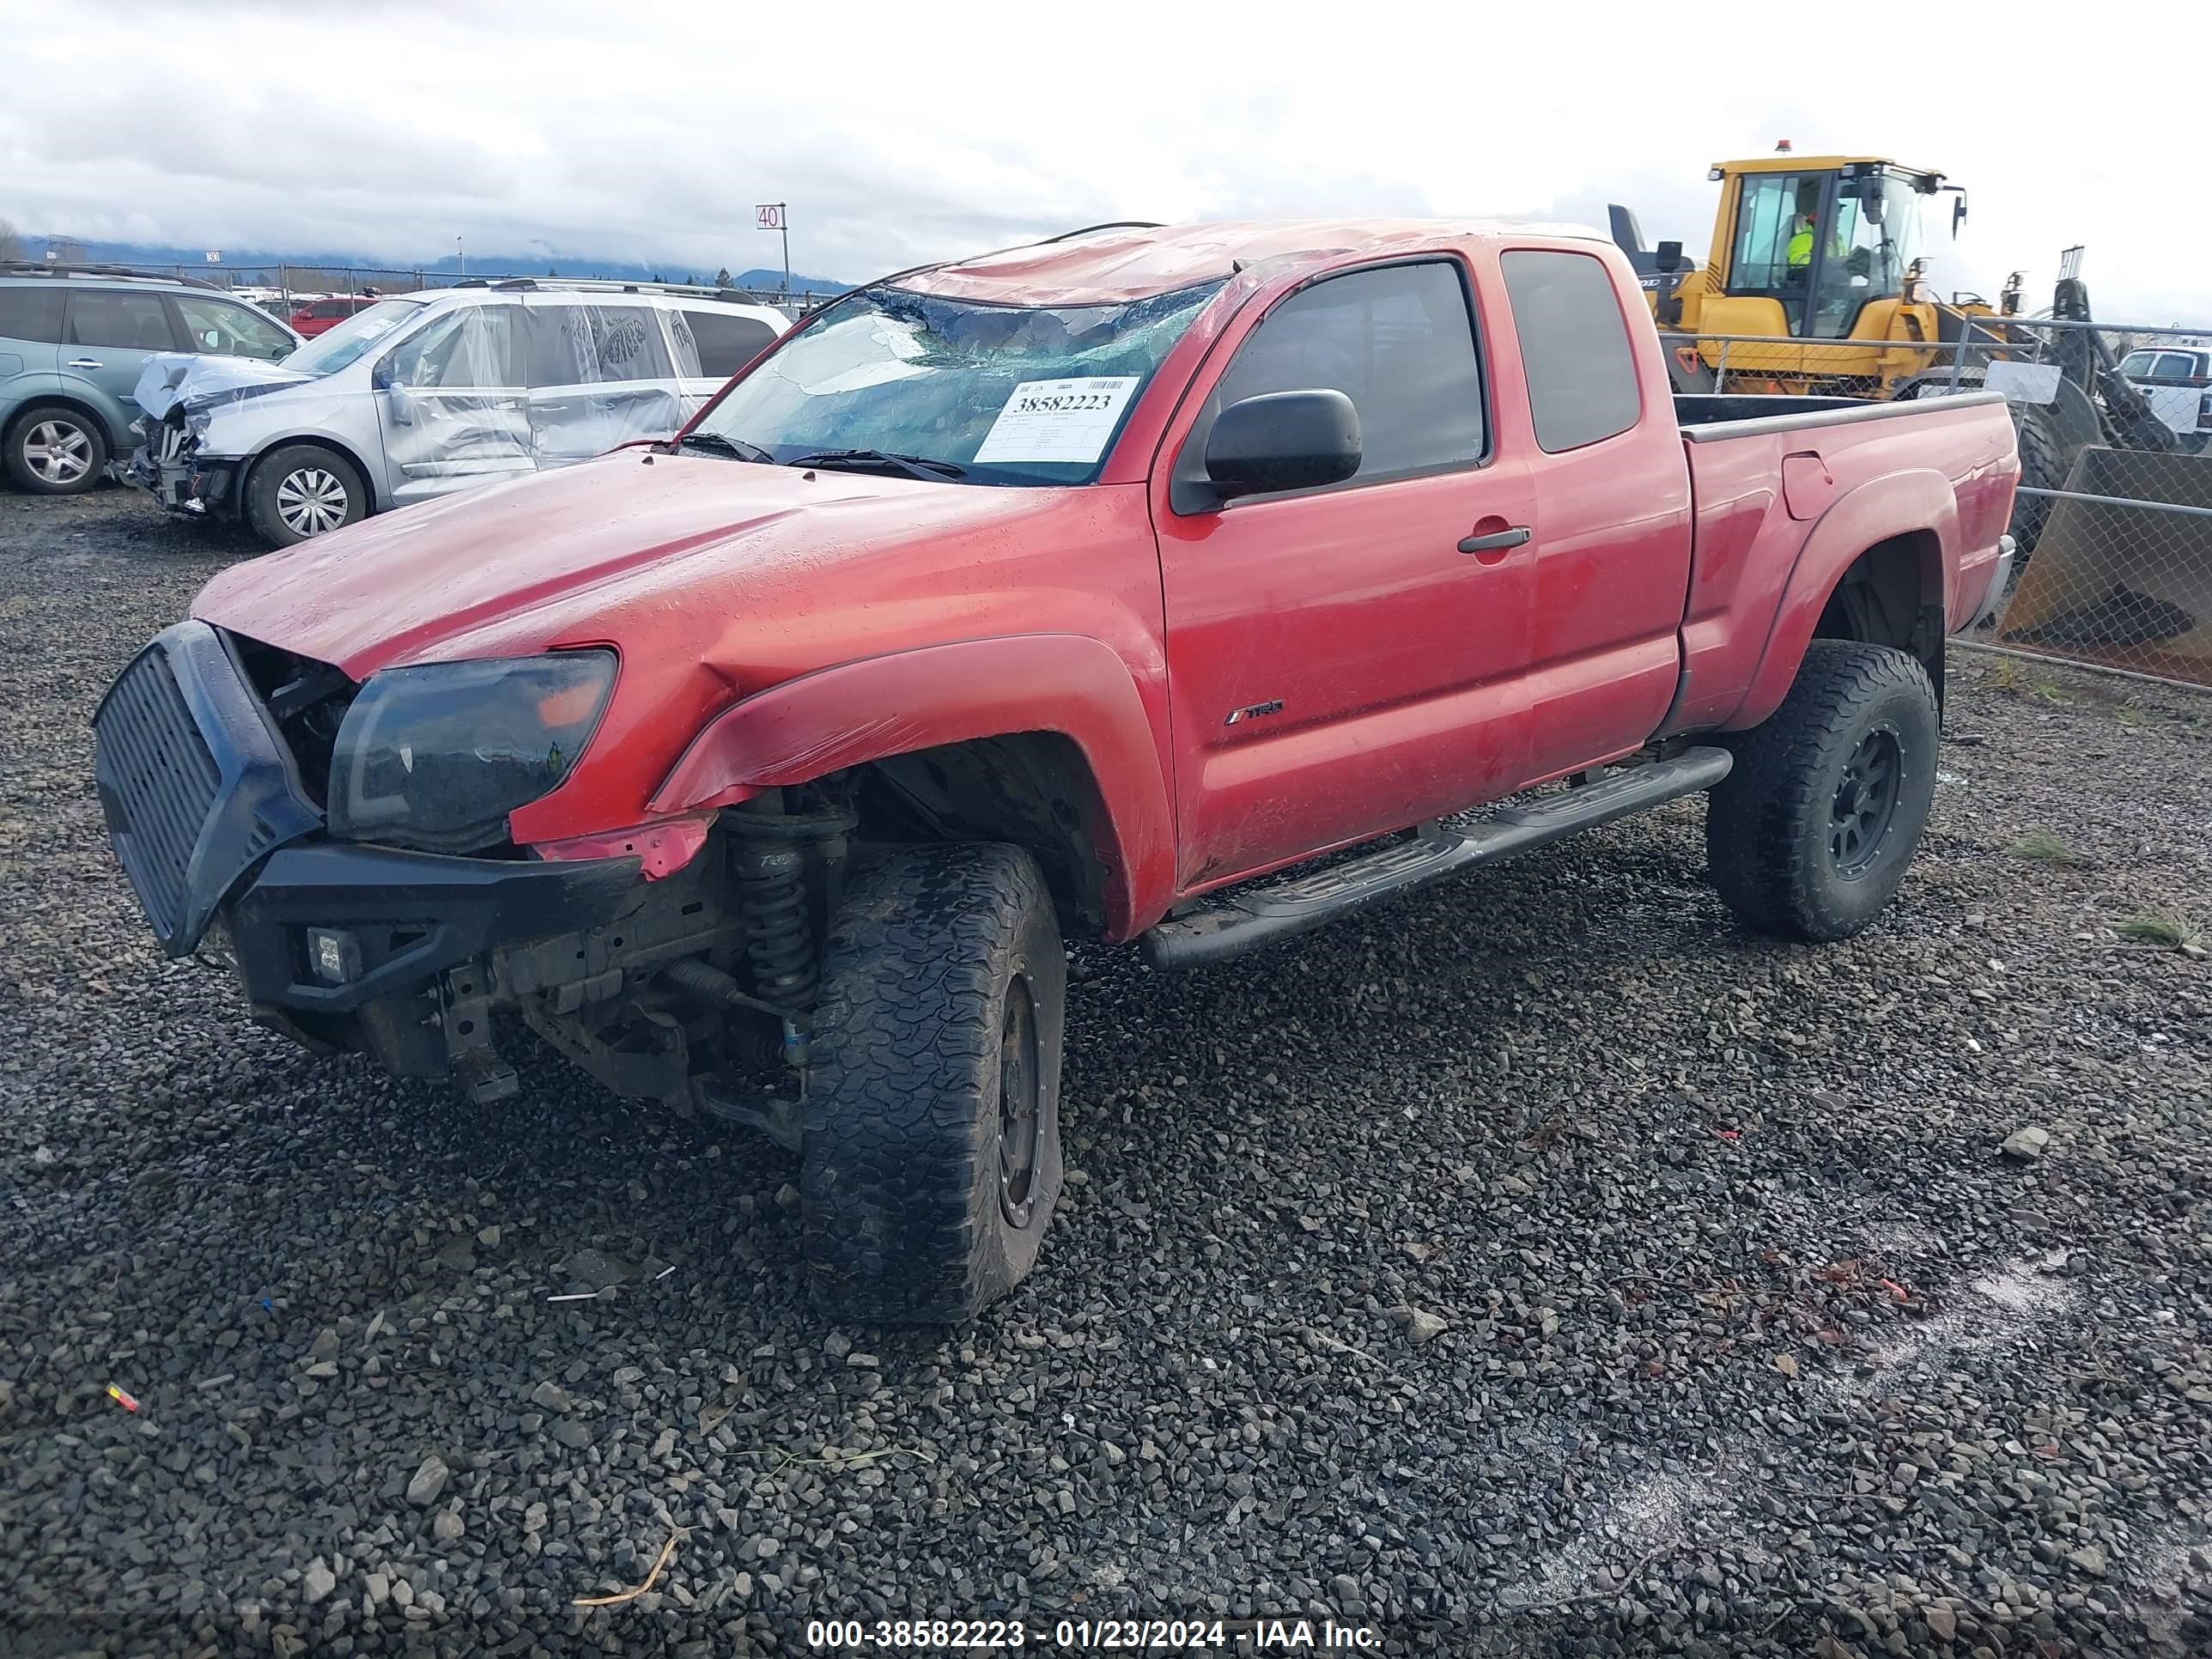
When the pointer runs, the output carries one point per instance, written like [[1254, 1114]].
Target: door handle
[[1497, 541], [84, 363]]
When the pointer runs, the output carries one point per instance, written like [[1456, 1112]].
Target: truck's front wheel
[[931, 1160], [1809, 834]]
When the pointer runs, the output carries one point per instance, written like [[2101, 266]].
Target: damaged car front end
[[344, 849], [183, 397]]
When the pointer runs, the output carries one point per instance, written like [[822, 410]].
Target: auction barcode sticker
[[1057, 420]]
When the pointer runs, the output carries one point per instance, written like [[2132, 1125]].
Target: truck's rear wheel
[[1809, 835], [931, 1161]]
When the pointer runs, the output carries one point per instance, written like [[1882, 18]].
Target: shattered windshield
[[328, 353], [986, 393]]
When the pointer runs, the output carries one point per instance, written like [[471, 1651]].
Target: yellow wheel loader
[[1820, 259]]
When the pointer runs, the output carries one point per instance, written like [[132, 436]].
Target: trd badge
[[1255, 711]]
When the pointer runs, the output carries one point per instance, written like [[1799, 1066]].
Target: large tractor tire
[[2043, 465]]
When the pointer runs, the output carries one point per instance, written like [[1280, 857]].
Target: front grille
[[157, 785]]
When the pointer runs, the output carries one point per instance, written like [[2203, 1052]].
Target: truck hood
[[567, 557], [197, 381]]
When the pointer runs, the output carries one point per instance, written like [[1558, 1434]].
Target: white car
[[2176, 382], [425, 394]]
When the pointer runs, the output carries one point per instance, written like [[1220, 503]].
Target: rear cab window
[[1575, 351], [1397, 340]]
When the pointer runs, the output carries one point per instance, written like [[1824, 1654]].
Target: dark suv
[[72, 341]]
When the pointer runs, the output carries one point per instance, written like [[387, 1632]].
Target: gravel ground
[[1540, 1266]]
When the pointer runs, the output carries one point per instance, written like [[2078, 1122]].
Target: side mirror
[[1958, 214], [1282, 441], [1670, 256]]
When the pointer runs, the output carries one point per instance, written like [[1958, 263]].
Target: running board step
[[1239, 920]]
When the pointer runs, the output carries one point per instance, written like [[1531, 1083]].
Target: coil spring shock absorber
[[770, 863], [771, 876]]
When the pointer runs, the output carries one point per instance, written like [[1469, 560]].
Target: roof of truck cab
[[1115, 264]]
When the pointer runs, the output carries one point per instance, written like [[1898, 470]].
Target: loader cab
[[1815, 240]]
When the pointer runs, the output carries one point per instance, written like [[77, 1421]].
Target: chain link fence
[[2114, 520], [2120, 576]]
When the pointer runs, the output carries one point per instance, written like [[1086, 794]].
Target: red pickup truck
[[1085, 590]]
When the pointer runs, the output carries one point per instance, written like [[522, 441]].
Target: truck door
[[1344, 661], [1611, 574]]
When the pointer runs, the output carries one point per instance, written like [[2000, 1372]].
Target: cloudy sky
[[627, 128]]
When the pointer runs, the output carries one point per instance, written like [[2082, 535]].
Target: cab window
[[1397, 340], [1773, 211], [1871, 250], [1575, 352]]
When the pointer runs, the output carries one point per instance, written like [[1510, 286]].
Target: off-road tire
[[53, 418], [1772, 824], [901, 1197], [265, 503]]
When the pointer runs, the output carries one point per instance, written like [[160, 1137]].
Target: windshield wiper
[[737, 446], [913, 466]]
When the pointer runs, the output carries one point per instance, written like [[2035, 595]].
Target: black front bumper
[[406, 917], [208, 818]]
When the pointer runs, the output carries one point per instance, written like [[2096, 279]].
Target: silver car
[[425, 394]]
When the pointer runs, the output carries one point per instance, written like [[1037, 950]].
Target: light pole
[[463, 254]]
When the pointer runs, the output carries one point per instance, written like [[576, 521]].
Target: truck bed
[[1777, 481], [1699, 413]]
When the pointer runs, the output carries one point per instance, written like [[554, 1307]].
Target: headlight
[[435, 757]]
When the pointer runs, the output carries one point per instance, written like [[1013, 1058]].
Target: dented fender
[[841, 717]]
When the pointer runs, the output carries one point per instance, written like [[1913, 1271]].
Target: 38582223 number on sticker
[[1063, 405], [1066, 422]]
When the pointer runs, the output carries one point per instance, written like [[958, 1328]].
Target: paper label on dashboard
[[1057, 420]]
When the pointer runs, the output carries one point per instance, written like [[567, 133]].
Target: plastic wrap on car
[[471, 394], [454, 404], [197, 381], [603, 374]]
